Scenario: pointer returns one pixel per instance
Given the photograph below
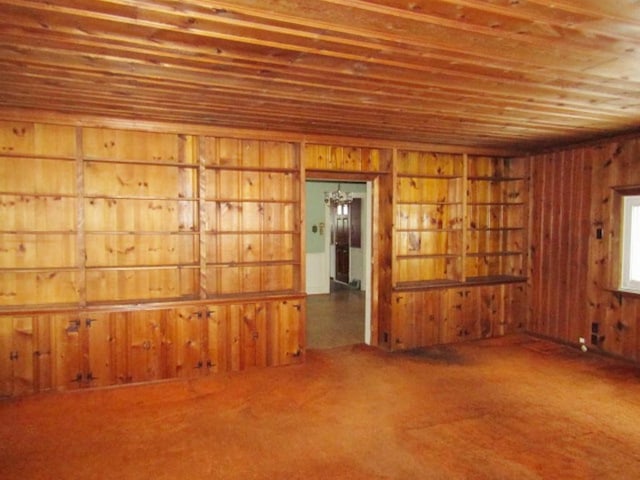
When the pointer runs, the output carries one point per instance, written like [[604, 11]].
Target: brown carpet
[[514, 408]]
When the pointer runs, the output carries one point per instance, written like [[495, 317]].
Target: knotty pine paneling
[[251, 213], [37, 140], [571, 270], [441, 316], [141, 218], [382, 317], [347, 159], [133, 146], [38, 231], [83, 349], [138, 222]]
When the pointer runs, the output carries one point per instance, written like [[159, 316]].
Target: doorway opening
[[338, 264]]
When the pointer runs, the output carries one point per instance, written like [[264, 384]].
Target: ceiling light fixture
[[337, 197]]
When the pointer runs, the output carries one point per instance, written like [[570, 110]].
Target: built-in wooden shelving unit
[[130, 256], [496, 244], [140, 216], [429, 214], [251, 231], [458, 220]]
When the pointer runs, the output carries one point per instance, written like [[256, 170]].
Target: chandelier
[[337, 197]]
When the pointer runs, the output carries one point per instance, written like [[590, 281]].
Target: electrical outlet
[[581, 340]]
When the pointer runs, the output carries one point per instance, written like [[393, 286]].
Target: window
[[631, 243]]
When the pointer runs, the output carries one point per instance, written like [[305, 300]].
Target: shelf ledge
[[469, 282]]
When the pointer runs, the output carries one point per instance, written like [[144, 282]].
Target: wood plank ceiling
[[514, 74]]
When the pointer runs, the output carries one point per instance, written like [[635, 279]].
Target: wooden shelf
[[479, 218], [426, 284], [434, 256], [30, 156], [39, 195], [429, 176], [238, 168], [253, 264], [250, 200], [493, 254], [495, 178], [495, 229], [41, 269], [429, 202], [494, 279], [140, 303], [39, 232], [111, 268], [429, 230], [331, 174], [251, 296], [251, 232], [489, 204], [151, 163], [469, 282], [139, 198], [139, 232]]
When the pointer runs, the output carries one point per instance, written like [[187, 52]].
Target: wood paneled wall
[[92, 348], [572, 271], [451, 315], [460, 248], [131, 256]]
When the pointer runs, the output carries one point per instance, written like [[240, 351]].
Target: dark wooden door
[[341, 216]]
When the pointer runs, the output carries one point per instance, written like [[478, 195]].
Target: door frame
[[371, 268]]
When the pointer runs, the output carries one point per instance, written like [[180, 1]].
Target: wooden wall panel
[[418, 318], [440, 316], [20, 212], [38, 231], [40, 353], [37, 139], [103, 250], [428, 203], [130, 215], [16, 362], [255, 334], [54, 287], [106, 355], [133, 146], [65, 344], [141, 284], [572, 271], [37, 176], [285, 332], [99, 348], [139, 181], [347, 159], [251, 210], [383, 256], [193, 238]]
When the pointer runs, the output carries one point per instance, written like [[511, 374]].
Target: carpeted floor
[[513, 408]]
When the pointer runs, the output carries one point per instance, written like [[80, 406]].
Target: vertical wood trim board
[[80, 215]]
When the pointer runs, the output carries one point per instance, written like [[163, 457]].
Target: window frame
[[629, 224]]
